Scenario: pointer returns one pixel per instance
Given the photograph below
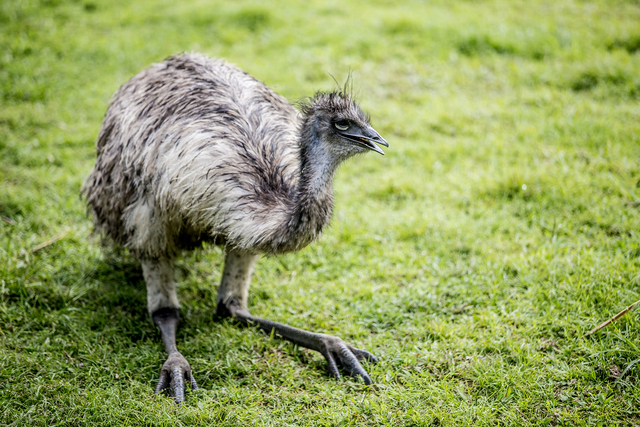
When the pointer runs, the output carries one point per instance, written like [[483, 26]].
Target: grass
[[502, 225]]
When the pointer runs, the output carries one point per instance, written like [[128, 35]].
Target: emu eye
[[342, 124]]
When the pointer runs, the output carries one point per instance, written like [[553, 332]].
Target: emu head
[[334, 121]]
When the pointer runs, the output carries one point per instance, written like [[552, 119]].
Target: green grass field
[[502, 225]]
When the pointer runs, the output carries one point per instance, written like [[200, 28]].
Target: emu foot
[[222, 311], [339, 353], [335, 350], [175, 371]]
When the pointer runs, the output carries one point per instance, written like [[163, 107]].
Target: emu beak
[[368, 138]]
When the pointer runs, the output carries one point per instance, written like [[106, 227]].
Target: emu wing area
[[194, 149]]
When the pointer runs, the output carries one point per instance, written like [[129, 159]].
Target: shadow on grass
[[115, 297]]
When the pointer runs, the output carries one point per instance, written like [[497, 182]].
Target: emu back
[[192, 149]]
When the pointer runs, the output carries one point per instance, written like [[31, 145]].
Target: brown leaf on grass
[[614, 371], [611, 373], [548, 344]]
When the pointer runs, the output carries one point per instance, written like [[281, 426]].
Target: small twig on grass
[[613, 319], [463, 307], [8, 220], [49, 242]]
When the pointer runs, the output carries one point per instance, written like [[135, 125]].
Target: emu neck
[[315, 193], [316, 176]]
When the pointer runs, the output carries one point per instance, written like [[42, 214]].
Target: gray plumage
[[194, 149]]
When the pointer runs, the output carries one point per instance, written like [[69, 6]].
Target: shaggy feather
[[194, 149]]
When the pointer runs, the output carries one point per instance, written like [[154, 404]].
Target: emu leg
[[232, 296], [162, 302]]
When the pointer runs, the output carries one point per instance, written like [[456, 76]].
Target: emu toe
[[173, 375], [339, 353]]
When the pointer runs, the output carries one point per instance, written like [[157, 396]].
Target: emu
[[195, 150]]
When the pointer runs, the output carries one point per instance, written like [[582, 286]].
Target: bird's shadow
[[118, 287], [117, 296]]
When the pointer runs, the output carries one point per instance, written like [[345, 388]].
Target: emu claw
[[175, 371], [339, 353]]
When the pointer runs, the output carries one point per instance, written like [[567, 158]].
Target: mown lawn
[[502, 225]]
